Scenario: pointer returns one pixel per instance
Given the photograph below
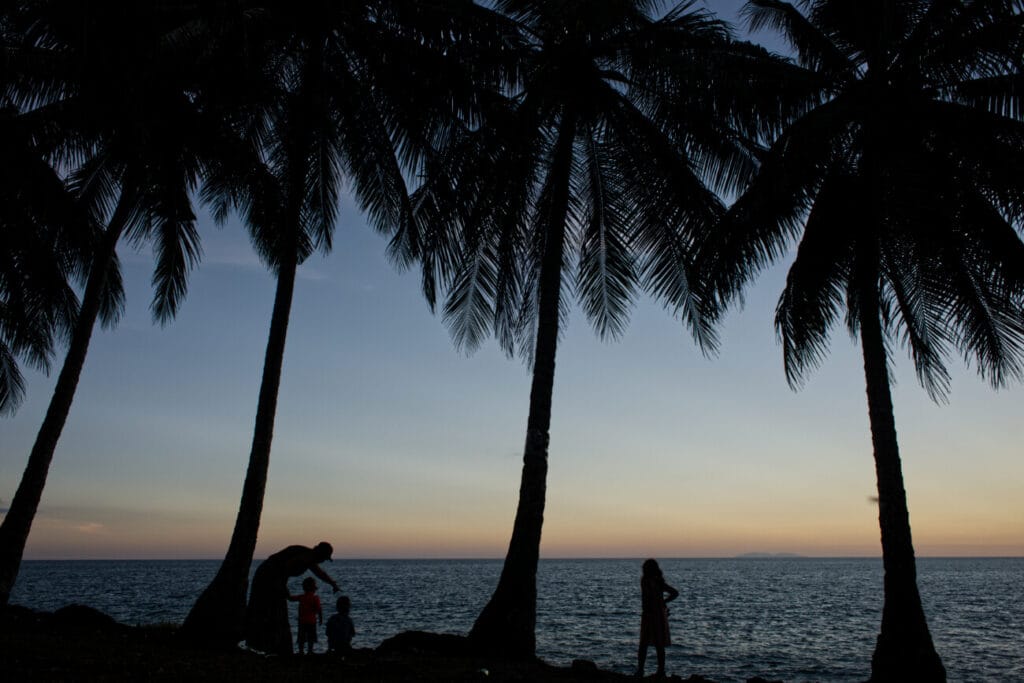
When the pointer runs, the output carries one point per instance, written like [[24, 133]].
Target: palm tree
[[904, 189], [111, 106], [591, 175], [43, 242], [353, 90]]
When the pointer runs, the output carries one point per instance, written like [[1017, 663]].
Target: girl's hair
[[308, 583], [652, 570]]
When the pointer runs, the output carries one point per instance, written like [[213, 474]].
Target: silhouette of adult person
[[654, 616], [266, 619]]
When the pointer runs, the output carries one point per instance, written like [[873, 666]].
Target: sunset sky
[[391, 443]]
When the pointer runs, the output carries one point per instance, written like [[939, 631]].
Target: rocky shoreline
[[78, 643]]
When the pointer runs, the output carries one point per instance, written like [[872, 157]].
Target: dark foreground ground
[[80, 644]]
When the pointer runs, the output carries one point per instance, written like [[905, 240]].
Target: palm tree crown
[[905, 172]]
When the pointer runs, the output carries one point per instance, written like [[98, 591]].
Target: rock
[[583, 665], [420, 641], [81, 617]]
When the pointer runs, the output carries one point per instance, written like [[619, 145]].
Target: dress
[[266, 618], [309, 611], [654, 618]]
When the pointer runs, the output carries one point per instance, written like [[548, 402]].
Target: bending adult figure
[[266, 618]]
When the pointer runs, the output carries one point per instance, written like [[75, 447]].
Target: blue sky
[[391, 443]]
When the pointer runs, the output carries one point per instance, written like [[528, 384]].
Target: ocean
[[780, 618]]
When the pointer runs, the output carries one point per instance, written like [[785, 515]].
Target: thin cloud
[[311, 275], [232, 256]]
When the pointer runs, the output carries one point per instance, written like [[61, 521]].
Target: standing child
[[340, 629], [654, 616], [309, 613]]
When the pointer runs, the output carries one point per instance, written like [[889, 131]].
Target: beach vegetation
[[902, 192], [102, 97], [595, 175]]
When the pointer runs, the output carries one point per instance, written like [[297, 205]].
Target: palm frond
[[12, 382], [113, 298], [819, 280], [469, 309], [763, 222], [919, 320], [988, 149], [982, 281], [1002, 95], [374, 171], [177, 250], [815, 49], [979, 39], [606, 275]]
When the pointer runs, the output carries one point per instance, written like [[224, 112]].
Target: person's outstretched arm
[[325, 577]]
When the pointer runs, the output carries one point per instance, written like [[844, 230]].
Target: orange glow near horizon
[[565, 536]]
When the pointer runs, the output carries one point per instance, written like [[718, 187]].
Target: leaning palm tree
[[597, 173], [904, 189], [335, 91], [112, 108]]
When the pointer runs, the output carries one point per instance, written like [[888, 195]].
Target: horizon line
[[742, 556]]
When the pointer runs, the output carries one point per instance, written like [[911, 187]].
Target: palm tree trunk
[[218, 617], [18, 521], [507, 625], [904, 650]]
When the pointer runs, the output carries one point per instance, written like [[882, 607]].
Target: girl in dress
[[654, 618]]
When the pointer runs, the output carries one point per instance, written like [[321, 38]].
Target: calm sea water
[[789, 619]]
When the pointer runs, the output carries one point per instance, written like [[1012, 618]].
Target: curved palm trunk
[[218, 617], [18, 521], [507, 625], [904, 650]]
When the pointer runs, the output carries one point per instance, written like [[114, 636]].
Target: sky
[[391, 443]]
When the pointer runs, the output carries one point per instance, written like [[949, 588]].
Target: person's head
[[323, 551], [309, 584], [651, 569], [344, 604]]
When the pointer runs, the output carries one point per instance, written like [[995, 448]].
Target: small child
[[309, 613], [340, 629]]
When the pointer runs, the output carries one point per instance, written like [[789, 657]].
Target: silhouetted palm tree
[[107, 99], [593, 173], [44, 241], [356, 91], [904, 189]]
